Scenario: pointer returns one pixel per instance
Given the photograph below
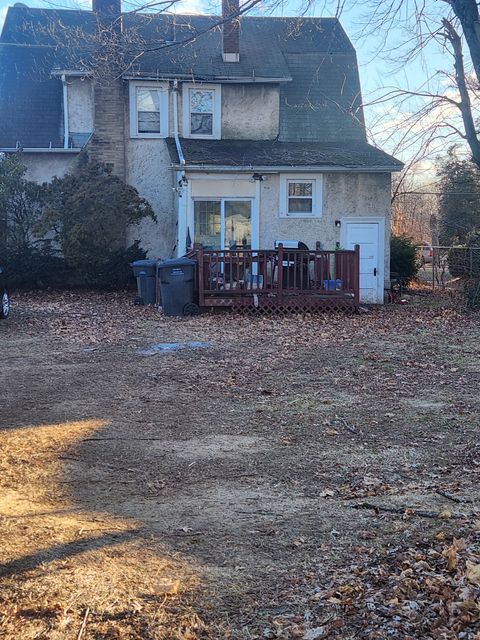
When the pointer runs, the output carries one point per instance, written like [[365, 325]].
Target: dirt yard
[[302, 478]]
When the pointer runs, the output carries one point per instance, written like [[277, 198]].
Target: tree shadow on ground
[[66, 550]]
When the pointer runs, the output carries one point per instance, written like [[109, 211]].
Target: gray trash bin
[[145, 272], [176, 286]]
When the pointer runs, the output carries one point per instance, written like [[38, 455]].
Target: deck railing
[[225, 276]]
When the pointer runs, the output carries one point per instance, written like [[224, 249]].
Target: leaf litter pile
[[299, 477]]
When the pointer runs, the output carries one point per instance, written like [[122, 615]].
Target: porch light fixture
[[338, 223], [258, 177]]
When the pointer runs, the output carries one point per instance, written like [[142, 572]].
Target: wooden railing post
[[201, 283], [280, 272], [356, 276]]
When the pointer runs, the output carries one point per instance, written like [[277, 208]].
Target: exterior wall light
[[338, 223]]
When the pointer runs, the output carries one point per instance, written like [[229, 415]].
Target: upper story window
[[201, 111], [300, 196], [148, 110]]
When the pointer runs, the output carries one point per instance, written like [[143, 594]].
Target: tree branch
[[452, 36]]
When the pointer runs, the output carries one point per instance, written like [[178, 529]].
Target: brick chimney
[[231, 31], [108, 141]]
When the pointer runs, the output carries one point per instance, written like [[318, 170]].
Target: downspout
[[65, 112], [181, 157], [182, 226]]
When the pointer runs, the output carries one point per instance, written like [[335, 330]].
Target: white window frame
[[317, 197], [162, 88], [217, 110]]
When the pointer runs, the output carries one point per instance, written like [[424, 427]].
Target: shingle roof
[[30, 101], [268, 153], [321, 101], [264, 41]]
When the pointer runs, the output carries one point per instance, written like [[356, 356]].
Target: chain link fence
[[448, 267]]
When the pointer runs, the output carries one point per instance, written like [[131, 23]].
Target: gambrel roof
[[310, 59]]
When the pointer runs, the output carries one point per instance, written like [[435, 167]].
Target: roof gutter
[[70, 72], [181, 157], [39, 150], [288, 169], [191, 78]]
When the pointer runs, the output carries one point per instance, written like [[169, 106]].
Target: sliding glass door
[[223, 223]]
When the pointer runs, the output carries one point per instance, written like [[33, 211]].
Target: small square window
[[300, 196]]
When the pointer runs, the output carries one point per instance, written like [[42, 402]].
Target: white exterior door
[[369, 234]]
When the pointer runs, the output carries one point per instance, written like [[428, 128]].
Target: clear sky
[[378, 75]]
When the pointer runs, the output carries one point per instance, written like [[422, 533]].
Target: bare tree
[[453, 27], [414, 208], [109, 46]]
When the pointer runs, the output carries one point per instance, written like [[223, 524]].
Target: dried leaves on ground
[[297, 477]]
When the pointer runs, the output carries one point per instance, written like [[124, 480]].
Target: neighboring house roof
[[267, 153], [311, 58], [30, 101]]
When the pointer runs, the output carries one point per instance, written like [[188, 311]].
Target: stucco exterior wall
[[230, 186], [42, 167], [148, 170], [344, 194], [80, 105], [250, 112]]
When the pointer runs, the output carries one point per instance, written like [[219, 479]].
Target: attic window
[[201, 112], [148, 110], [201, 109]]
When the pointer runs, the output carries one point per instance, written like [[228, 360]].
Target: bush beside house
[[70, 232], [403, 258]]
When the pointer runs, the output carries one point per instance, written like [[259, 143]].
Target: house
[[240, 131]]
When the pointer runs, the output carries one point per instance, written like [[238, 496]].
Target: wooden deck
[[277, 279]]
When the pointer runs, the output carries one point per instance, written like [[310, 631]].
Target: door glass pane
[[238, 224], [208, 223]]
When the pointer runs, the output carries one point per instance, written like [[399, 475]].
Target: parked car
[[5, 298], [426, 255]]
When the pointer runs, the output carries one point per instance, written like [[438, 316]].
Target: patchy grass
[[302, 477]]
